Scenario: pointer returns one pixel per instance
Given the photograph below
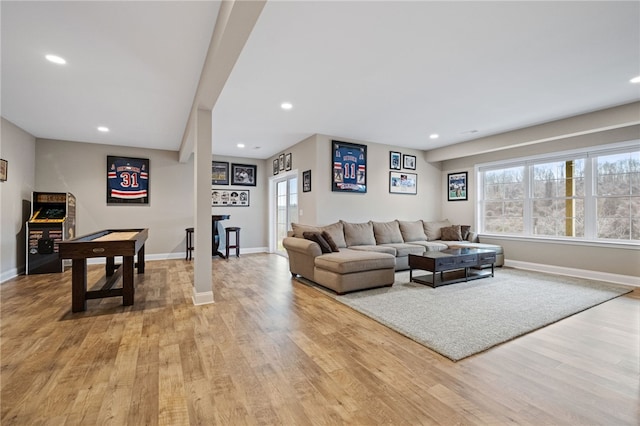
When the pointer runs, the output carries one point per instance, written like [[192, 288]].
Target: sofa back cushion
[[387, 232], [432, 229], [412, 231], [299, 229], [359, 234], [336, 231]]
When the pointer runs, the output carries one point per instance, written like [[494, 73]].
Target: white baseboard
[[572, 272], [11, 273], [203, 298]]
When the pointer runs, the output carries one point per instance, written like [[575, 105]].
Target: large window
[[591, 195]]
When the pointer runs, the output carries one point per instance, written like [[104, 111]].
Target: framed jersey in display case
[[127, 180], [349, 172]]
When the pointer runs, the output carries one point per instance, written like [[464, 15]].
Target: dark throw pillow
[[451, 233], [318, 238], [329, 240], [464, 230]]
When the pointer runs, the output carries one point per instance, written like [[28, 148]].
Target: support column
[[202, 274]]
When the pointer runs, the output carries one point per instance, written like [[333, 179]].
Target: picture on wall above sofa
[[403, 183], [349, 167], [457, 186]]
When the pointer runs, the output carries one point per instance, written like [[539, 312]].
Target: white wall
[[18, 148], [323, 206], [80, 168]]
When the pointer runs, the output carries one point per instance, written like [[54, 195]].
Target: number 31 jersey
[[128, 179]]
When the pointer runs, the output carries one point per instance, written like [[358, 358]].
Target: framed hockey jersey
[[349, 167], [127, 180]]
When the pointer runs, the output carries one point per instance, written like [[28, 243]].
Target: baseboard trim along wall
[[203, 298], [572, 272]]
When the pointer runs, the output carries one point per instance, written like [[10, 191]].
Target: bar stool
[[236, 245], [189, 242]]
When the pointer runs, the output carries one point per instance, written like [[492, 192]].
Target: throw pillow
[[432, 229], [387, 232], [329, 239], [412, 231], [359, 234], [465, 229], [317, 237], [451, 233], [336, 231]]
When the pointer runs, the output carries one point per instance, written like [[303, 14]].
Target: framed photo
[[243, 174], [127, 180], [457, 188], [276, 166], [219, 173], [4, 166], [229, 198], [394, 160], [306, 181], [287, 162], [281, 161], [403, 183], [409, 162], [349, 170]]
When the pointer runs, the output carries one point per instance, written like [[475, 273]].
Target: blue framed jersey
[[127, 180], [349, 172]]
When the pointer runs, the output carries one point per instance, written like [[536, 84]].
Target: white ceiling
[[386, 72]]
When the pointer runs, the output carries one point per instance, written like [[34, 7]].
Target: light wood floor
[[274, 351]]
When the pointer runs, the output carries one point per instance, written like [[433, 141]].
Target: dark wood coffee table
[[454, 259]]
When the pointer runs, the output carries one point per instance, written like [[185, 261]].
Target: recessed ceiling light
[[103, 129], [55, 59], [286, 106], [434, 136], [240, 145], [635, 79]]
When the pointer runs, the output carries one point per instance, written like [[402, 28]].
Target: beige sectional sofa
[[366, 255]]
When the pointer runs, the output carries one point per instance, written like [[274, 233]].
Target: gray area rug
[[463, 319]]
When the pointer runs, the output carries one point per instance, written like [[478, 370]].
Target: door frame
[[273, 181]]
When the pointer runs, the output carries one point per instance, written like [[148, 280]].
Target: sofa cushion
[[336, 230], [318, 238], [432, 229], [329, 239], [430, 245], [451, 233], [376, 248], [350, 261], [465, 230], [387, 232], [412, 231], [299, 229], [405, 249], [359, 234]]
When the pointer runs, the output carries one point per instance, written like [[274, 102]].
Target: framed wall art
[[457, 186], [287, 162], [229, 198], [4, 168], [306, 181], [394, 160], [219, 173], [243, 174], [281, 161], [127, 180], [403, 183], [349, 170], [409, 162]]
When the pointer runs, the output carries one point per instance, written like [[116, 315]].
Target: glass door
[[286, 208]]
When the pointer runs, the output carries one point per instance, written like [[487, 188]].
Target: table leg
[[78, 285], [127, 280], [141, 260], [110, 266]]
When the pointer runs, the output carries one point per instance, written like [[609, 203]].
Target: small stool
[[236, 245], [189, 243]]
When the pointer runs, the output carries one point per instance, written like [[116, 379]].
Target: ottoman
[[351, 270]]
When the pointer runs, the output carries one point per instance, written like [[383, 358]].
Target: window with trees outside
[[590, 195]]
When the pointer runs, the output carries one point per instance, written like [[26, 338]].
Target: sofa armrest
[[301, 245]]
